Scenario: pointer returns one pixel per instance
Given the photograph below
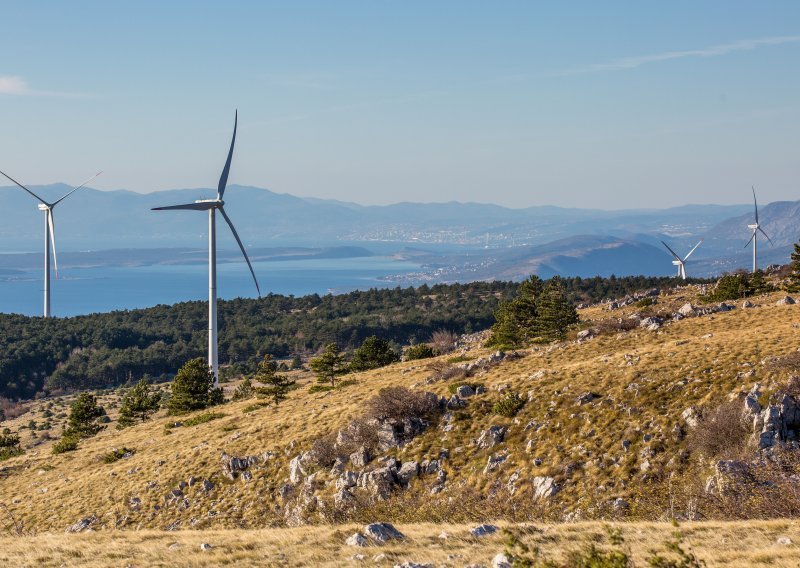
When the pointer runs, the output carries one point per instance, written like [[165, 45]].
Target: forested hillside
[[114, 348]]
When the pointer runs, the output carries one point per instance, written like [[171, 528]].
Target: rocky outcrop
[[491, 437], [778, 423], [381, 533], [544, 487], [82, 525]]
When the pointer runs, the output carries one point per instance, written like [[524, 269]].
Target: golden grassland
[[740, 544], [645, 379]]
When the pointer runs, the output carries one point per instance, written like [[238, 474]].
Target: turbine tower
[[681, 263], [49, 233], [756, 228], [212, 205]]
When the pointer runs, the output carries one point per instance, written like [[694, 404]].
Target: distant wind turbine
[[49, 233], [212, 205], [756, 228], [681, 263]]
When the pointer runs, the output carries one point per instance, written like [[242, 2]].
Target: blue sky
[[580, 104]]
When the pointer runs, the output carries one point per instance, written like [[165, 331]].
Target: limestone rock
[[383, 532], [407, 472], [84, 524], [356, 539], [586, 398], [491, 437], [500, 560], [748, 304], [687, 310], [205, 546], [494, 462], [483, 530], [544, 487], [651, 324], [465, 391], [785, 301], [360, 457]]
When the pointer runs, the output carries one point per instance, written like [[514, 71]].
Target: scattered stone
[[205, 546], [537, 462], [544, 487], [785, 301], [687, 310], [379, 557], [494, 462], [501, 561], [233, 466], [174, 546], [356, 539], [651, 324], [621, 504], [383, 532], [690, 416], [456, 402], [748, 304], [444, 535], [407, 472], [360, 457], [483, 530], [409, 564], [586, 398], [491, 437], [207, 485], [626, 445], [783, 540], [84, 524], [465, 391]]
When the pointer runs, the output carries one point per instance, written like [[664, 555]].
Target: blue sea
[[101, 289]]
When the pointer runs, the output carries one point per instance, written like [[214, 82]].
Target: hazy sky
[[601, 104]]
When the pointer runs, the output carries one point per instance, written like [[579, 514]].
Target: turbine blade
[[755, 203], [25, 188], [75, 189], [241, 246], [691, 251], [751, 239], [223, 179], [188, 206], [671, 251], [52, 237], [766, 235]]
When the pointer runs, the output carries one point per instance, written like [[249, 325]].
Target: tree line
[[116, 348]]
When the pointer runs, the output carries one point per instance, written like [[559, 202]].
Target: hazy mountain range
[[453, 241]]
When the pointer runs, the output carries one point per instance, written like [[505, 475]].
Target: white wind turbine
[[212, 205], [756, 228], [49, 233], [681, 263]]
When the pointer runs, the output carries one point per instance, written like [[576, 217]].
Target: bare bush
[[400, 403], [11, 409], [323, 451], [443, 341], [444, 371], [721, 432], [791, 388], [615, 325], [790, 362], [358, 433]]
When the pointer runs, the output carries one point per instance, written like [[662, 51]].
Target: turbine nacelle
[[43, 206]]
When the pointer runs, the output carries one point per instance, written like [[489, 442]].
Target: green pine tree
[[277, 385], [193, 388], [555, 312], [329, 365], [244, 390], [138, 404], [84, 416], [373, 354], [297, 363], [794, 270], [516, 319]]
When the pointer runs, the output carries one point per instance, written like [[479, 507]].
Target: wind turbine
[[212, 205], [681, 263], [756, 228], [49, 233]]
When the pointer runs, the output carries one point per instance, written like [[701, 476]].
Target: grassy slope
[[686, 363], [740, 544]]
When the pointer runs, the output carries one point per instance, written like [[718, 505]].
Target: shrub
[[509, 405], [117, 454], [9, 446], [373, 354], [399, 403], [443, 371], [720, 432], [323, 451], [67, 443], [420, 351], [193, 388], [203, 418]]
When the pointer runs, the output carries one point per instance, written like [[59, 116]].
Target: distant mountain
[[100, 220]]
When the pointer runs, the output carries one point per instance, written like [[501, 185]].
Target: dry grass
[[645, 379], [744, 545]]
